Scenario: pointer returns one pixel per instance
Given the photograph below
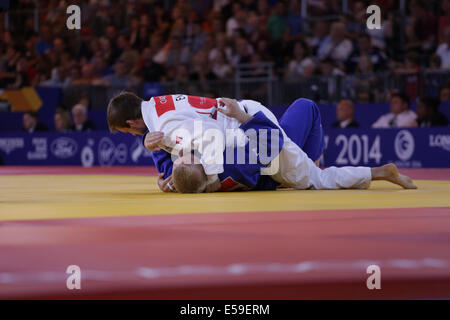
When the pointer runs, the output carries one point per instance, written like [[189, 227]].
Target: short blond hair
[[187, 179]]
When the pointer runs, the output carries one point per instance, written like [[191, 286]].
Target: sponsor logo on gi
[[64, 147], [8, 145], [108, 153], [404, 145], [440, 141], [163, 99]]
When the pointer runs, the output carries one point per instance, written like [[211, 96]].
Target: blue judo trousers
[[303, 125]]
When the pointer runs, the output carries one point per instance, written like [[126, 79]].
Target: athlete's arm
[[260, 123], [230, 108], [152, 140], [166, 185], [163, 163]]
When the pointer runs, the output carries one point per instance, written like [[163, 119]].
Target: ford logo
[[64, 147]]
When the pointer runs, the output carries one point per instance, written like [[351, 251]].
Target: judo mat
[[132, 241]]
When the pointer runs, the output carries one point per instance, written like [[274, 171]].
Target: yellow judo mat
[[25, 197], [133, 241]]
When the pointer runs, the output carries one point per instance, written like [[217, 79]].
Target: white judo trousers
[[297, 171]]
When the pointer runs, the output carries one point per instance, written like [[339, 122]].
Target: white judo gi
[[172, 112]]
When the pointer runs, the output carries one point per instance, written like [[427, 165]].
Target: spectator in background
[[295, 18], [80, 119], [257, 31], [410, 73], [443, 50], [62, 121], [377, 57], [127, 54], [309, 69], [363, 78], [263, 10], [8, 66], [444, 20], [45, 42], [355, 20], [400, 115], [364, 95], [21, 78], [200, 70], [133, 31], [319, 8], [120, 78], [195, 35], [31, 124], [105, 49], [300, 57], [86, 38], [221, 46], [173, 52], [329, 72], [320, 33], [434, 63], [345, 115], [111, 34], [277, 23], [87, 75], [151, 71], [444, 93], [59, 46], [242, 51], [433, 80], [337, 46], [428, 114], [423, 28], [220, 67], [254, 33], [237, 21], [179, 74]]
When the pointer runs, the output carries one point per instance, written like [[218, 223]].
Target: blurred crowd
[[127, 43], [76, 120], [123, 43], [427, 114]]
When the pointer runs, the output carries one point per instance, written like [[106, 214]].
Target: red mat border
[[419, 174]]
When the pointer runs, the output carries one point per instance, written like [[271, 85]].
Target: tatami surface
[[132, 240]]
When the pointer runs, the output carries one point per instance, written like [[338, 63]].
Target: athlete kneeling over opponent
[[186, 175]]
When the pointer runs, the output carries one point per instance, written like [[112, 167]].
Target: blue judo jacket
[[242, 175]]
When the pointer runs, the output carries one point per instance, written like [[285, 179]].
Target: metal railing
[[270, 90]]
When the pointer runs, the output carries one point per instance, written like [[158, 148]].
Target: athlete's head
[[124, 114], [188, 175]]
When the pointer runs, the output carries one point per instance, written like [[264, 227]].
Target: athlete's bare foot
[[389, 172]]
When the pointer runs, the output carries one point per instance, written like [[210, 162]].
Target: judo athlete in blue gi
[[297, 145]]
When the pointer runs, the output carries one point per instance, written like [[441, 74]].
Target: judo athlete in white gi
[[167, 114]]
